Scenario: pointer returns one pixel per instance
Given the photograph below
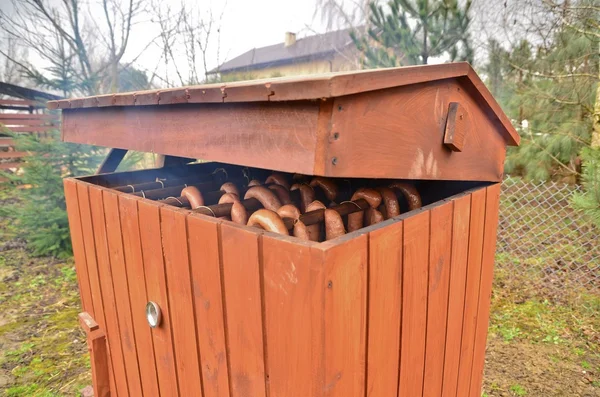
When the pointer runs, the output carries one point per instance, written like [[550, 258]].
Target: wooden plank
[[19, 102], [12, 155], [5, 141], [414, 304], [136, 283], [476, 230], [113, 333], [97, 347], [156, 284], [243, 308], [5, 166], [111, 161], [179, 290], [345, 314], [440, 251], [456, 293], [31, 128], [485, 289], [9, 123], [90, 255], [265, 135], [27, 116], [121, 292], [385, 309], [203, 240], [76, 232], [294, 292]]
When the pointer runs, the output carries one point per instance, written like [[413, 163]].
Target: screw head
[[330, 284], [336, 135], [340, 108], [334, 161]]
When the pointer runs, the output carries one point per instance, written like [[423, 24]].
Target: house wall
[[338, 63]]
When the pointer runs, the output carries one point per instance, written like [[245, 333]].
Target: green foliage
[[412, 31], [41, 218], [589, 200]]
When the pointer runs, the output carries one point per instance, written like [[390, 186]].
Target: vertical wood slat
[[440, 250], [456, 293], [108, 294], [90, 254], [414, 301], [477, 223], [83, 279], [179, 291], [156, 285], [121, 292], [203, 240], [485, 290], [136, 279], [385, 309], [241, 280], [345, 316], [293, 294]]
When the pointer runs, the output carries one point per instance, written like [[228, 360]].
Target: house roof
[[305, 49]]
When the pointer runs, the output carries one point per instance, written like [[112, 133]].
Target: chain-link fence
[[543, 242]]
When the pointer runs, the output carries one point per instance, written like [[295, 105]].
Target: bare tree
[[64, 36]]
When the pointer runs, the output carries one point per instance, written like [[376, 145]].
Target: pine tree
[[410, 32]]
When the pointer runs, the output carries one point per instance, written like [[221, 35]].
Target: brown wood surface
[[485, 289], [121, 294], [440, 251], [293, 301], [25, 128], [5, 166], [76, 232], [243, 308], [136, 283], [179, 290], [476, 229], [260, 135], [398, 133], [314, 87], [6, 141], [20, 102], [97, 346], [345, 264], [203, 240], [26, 116], [111, 161], [457, 126], [456, 293], [385, 309], [12, 155], [156, 284], [414, 304], [93, 268], [113, 333]]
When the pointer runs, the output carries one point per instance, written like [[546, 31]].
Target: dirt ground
[[536, 347]]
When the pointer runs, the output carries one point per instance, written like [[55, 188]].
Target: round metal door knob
[[153, 314]]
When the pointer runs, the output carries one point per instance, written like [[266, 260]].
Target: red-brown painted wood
[[156, 285], [203, 240], [476, 229], [456, 294], [136, 283], [414, 304], [485, 289], [243, 308], [179, 290], [385, 309]]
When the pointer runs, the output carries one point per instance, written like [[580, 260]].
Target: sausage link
[[410, 193], [278, 179], [229, 187], [301, 231], [254, 182], [238, 211], [355, 220], [314, 231], [267, 198], [373, 216], [282, 193], [307, 195], [390, 202], [269, 221], [193, 195], [334, 225], [327, 185], [289, 211]]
